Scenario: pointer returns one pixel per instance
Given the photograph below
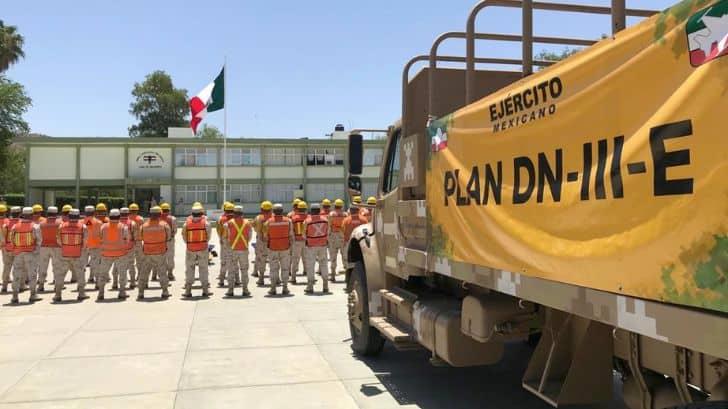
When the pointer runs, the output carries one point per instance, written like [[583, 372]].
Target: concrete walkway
[[259, 352]]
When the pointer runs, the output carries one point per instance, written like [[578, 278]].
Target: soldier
[[155, 237], [336, 236], [101, 213], [8, 254], [227, 208], [50, 251], [278, 235], [92, 257], [3, 223], [299, 217], [196, 234], [238, 232], [356, 202], [261, 249], [294, 206], [27, 240], [136, 266], [371, 201], [352, 221], [128, 261], [115, 238], [37, 213], [316, 230], [65, 212], [172, 222], [71, 238], [325, 207]]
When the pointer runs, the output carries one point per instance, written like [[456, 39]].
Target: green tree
[[209, 132], [14, 170], [556, 56], [157, 105], [11, 46], [13, 104]]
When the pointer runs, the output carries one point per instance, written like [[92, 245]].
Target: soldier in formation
[[196, 235], [237, 232]]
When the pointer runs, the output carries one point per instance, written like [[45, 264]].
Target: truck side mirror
[[354, 185], [356, 153]]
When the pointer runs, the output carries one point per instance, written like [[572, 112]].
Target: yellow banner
[[608, 170]]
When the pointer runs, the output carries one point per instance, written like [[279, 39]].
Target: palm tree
[[11, 46]]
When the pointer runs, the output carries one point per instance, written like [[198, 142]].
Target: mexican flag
[[707, 32], [210, 99]]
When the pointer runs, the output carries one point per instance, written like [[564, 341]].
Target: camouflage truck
[[583, 207]]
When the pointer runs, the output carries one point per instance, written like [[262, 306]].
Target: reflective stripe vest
[[317, 231], [23, 237], [8, 227], [154, 238], [136, 219], [49, 230], [221, 223], [351, 222], [298, 219], [112, 240], [238, 233], [279, 228], [196, 233], [93, 229], [71, 238], [337, 219]]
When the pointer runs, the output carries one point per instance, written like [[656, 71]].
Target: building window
[[369, 189], [325, 157], [243, 156], [281, 192], [373, 156], [244, 193], [284, 156], [196, 157], [315, 192], [189, 194]]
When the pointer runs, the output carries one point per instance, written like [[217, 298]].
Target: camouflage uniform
[[8, 256], [237, 260], [316, 229], [261, 249], [25, 265], [336, 244], [153, 262], [280, 260], [169, 255], [196, 258]]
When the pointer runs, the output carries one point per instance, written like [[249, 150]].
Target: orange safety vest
[[71, 238], [23, 237], [49, 230], [136, 219], [196, 233], [298, 219], [154, 238], [9, 226], [93, 226], [278, 233], [351, 222], [260, 221], [132, 226], [317, 231], [112, 240], [238, 233], [337, 220]]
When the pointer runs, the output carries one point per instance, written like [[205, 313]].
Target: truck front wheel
[[365, 340]]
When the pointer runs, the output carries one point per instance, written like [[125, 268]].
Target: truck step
[[397, 333]]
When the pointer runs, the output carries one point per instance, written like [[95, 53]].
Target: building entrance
[[145, 197]]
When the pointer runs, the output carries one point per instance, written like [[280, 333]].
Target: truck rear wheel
[[365, 340]]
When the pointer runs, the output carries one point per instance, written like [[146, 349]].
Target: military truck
[[582, 207]]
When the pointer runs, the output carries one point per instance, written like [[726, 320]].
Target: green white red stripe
[[707, 32], [210, 99]]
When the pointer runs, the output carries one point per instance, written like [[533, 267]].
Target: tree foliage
[[157, 105], [556, 56], [13, 180], [11, 46], [209, 132], [13, 104]]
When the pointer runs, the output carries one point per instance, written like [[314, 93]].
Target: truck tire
[[365, 340]]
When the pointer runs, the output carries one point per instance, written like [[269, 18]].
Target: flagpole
[[224, 133]]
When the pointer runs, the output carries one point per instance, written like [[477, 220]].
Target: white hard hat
[[124, 210], [89, 209], [74, 212], [52, 210], [114, 213], [27, 210]]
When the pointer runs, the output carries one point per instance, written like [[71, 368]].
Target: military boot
[[14, 300], [206, 292], [170, 275], [57, 298], [309, 289], [188, 291], [41, 288], [326, 287], [230, 293], [100, 295], [246, 293], [285, 291], [122, 294], [91, 280], [33, 296], [154, 276], [82, 296], [4, 289], [140, 294], [58, 289], [165, 293], [221, 283]]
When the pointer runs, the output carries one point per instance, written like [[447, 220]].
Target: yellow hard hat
[[37, 208], [155, 210], [326, 202], [197, 206], [3, 208], [134, 207], [228, 206], [165, 206], [371, 200], [266, 205], [356, 199], [302, 205], [101, 207], [339, 203], [66, 208], [296, 201]]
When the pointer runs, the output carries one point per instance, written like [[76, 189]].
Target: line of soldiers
[[119, 244]]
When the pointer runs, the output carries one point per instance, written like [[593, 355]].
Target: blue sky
[[294, 68]]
